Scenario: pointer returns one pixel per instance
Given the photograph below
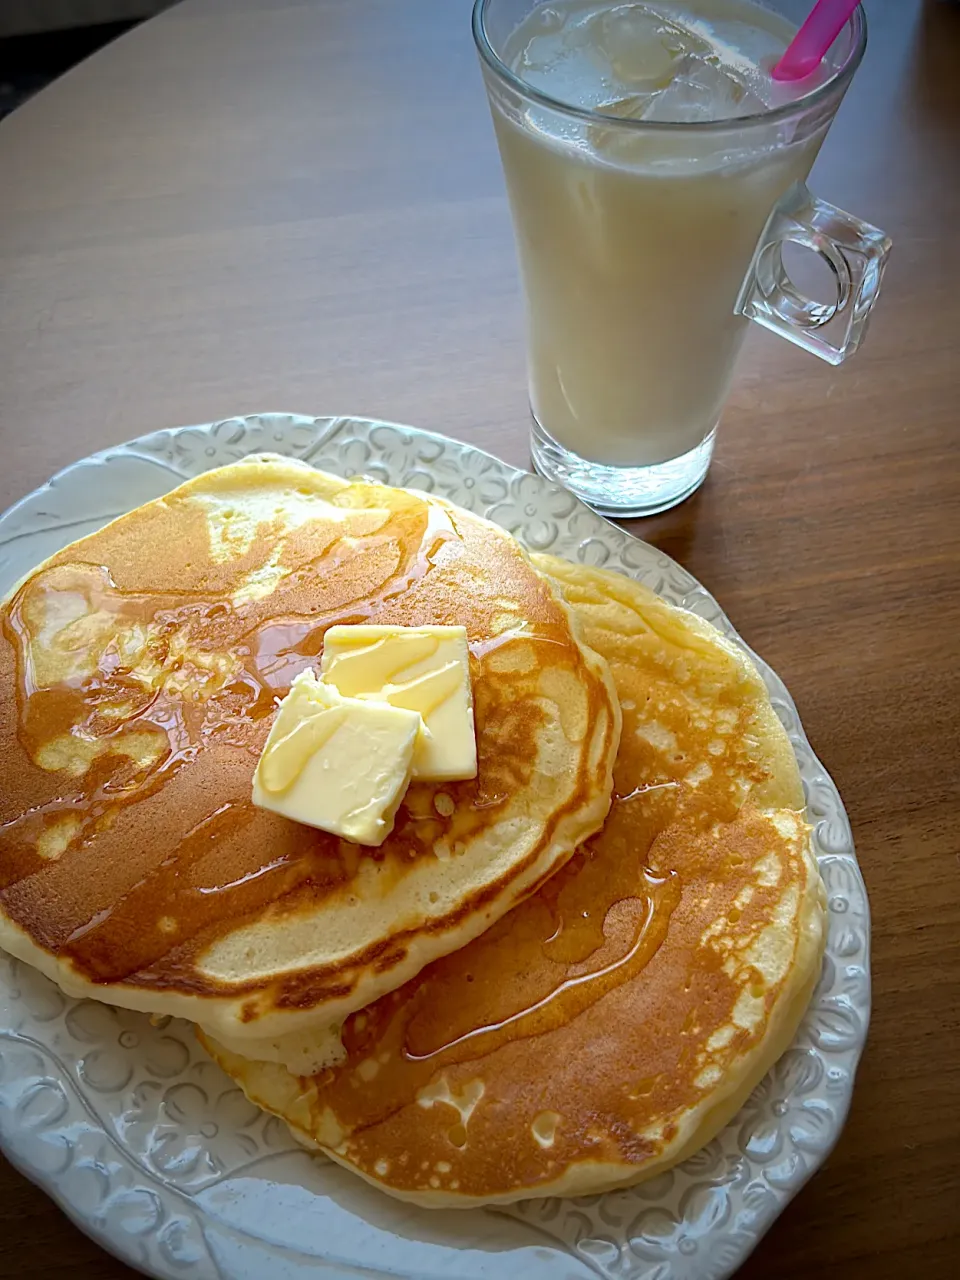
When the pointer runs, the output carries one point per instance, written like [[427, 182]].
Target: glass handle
[[856, 254]]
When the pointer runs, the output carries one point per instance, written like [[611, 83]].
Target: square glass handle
[[856, 254]]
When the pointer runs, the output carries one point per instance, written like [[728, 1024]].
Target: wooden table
[[258, 204]]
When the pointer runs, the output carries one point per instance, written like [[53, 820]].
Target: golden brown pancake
[[611, 1024], [141, 668]]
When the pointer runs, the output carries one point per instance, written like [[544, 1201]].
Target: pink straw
[[808, 46]]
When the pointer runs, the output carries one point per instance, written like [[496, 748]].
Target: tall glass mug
[[655, 171]]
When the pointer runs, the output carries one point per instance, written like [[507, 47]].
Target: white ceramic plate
[[153, 1152]]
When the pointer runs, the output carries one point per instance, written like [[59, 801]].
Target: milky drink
[[634, 240]]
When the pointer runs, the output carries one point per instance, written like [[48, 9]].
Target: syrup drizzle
[[530, 1021]]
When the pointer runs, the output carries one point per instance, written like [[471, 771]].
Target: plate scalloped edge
[[151, 1150]]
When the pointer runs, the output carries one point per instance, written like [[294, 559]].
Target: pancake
[[613, 1023], [142, 667]]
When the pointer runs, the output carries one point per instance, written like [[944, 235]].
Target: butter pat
[[340, 764], [424, 669]]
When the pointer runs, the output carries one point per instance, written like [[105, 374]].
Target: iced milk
[[634, 242]]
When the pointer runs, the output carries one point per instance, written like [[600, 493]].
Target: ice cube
[[544, 21], [559, 58], [630, 107], [563, 73], [641, 47], [616, 143], [702, 90]]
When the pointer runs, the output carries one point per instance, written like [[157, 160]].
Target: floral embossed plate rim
[[154, 1153]]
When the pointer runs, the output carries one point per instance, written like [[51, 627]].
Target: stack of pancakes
[[559, 977]]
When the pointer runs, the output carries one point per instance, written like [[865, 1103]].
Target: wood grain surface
[[253, 204]]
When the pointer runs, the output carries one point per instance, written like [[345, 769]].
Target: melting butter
[[283, 762], [422, 669], [368, 657], [338, 763]]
